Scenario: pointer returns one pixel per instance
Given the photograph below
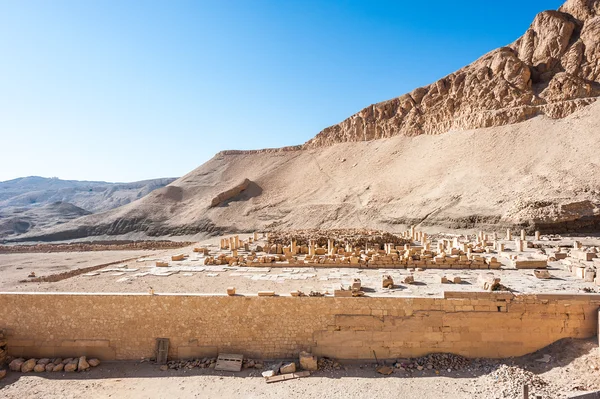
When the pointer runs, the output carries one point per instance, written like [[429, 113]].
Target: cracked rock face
[[552, 70]]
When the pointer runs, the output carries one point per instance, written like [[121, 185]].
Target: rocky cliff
[[552, 70]]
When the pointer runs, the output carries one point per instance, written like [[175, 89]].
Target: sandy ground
[[191, 276], [572, 369], [16, 267]]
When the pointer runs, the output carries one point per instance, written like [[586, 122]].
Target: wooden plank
[[229, 362], [162, 350], [289, 376]]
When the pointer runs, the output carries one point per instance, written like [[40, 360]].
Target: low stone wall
[[125, 326]]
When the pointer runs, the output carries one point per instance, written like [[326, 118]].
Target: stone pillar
[[330, 247], [293, 247], [508, 234], [311, 248], [519, 245], [537, 235], [412, 232], [255, 236], [495, 236], [523, 235]]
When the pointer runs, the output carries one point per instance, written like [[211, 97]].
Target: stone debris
[[511, 379], [435, 361], [327, 364], [388, 281], [542, 274], [385, 370]]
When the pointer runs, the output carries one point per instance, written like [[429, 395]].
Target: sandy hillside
[[411, 161], [541, 173]]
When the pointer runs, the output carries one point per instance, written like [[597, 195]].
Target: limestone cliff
[[552, 70]]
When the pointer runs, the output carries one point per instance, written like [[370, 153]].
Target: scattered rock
[[71, 367], [49, 367], [164, 367], [43, 361], [39, 368], [2, 373], [268, 373], [58, 367], [94, 362], [16, 364], [385, 370], [28, 366], [82, 364]]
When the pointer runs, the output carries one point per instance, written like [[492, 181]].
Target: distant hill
[[38, 202]]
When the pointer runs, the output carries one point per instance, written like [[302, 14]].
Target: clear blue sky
[[130, 90]]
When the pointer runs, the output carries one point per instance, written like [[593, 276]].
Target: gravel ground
[[572, 368]]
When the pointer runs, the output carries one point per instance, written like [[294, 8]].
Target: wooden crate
[[229, 362]]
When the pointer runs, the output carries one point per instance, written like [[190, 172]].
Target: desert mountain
[[553, 70], [40, 202], [508, 141]]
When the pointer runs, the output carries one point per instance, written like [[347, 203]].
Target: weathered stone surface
[[2, 373], [43, 361], [28, 365], [58, 367], [39, 368], [94, 362], [50, 367]]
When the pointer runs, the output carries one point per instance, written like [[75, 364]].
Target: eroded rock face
[[553, 69]]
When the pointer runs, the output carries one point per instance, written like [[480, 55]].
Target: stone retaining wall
[[125, 326]]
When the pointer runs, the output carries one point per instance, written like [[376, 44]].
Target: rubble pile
[[327, 364], [206, 363], [435, 361], [352, 237], [512, 379]]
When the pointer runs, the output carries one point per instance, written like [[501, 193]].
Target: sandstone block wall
[[125, 326]]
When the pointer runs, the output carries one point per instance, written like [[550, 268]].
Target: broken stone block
[[387, 282], [288, 368], [456, 280], [268, 373], [409, 279], [266, 293], [308, 361], [442, 279], [162, 264], [177, 257], [488, 281], [356, 284], [231, 291], [542, 274], [58, 367]]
